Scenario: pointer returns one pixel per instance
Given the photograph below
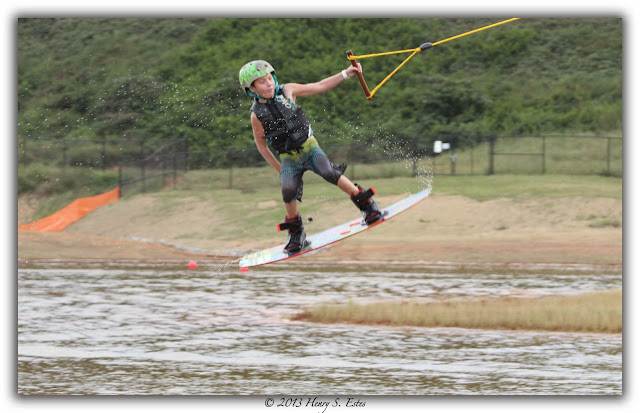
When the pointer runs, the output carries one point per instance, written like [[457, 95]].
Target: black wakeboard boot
[[369, 208], [297, 238]]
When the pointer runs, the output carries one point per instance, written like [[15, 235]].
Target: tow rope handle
[[363, 83]]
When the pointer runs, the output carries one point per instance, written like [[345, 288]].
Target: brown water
[[140, 329]]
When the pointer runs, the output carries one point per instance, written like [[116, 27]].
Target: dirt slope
[[442, 228]]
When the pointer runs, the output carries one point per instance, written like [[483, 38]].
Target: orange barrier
[[72, 212]]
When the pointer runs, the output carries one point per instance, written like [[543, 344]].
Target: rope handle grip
[[363, 83]]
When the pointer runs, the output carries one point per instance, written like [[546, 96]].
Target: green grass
[[240, 189], [606, 223], [575, 166], [483, 188], [599, 312], [253, 186], [264, 181]]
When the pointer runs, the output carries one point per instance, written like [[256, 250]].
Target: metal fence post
[[492, 139], [104, 154], [175, 171], [608, 156], [544, 155], [120, 179], [64, 153], [24, 150], [186, 153], [472, 152], [143, 177], [414, 171], [351, 159]]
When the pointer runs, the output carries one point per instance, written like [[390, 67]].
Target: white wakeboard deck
[[331, 235]]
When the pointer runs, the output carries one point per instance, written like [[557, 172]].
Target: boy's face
[[264, 86]]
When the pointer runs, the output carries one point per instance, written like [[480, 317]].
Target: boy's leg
[[347, 186], [291, 183], [291, 208], [361, 198]]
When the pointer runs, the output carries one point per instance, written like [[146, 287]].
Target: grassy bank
[[498, 218], [599, 312], [254, 203], [264, 182]]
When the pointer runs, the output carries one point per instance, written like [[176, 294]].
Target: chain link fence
[[461, 154]]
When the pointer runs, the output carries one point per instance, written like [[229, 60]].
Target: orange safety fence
[[72, 212]]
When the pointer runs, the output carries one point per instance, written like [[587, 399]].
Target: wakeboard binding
[[365, 203], [297, 237]]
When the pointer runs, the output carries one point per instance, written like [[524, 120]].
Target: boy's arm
[[296, 89], [258, 133]]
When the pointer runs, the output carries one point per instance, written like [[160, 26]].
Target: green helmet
[[252, 71]]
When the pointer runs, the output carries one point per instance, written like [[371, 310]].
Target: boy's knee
[[334, 173], [291, 192], [333, 177]]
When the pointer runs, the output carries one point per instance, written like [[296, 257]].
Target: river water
[[96, 328]]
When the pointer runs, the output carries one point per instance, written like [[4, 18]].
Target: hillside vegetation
[[159, 78]]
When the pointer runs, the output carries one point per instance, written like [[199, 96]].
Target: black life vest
[[285, 124]]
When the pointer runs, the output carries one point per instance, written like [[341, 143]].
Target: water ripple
[[157, 329]]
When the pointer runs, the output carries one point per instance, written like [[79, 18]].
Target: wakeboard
[[331, 235]]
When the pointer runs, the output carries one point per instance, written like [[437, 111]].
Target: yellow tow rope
[[413, 52]]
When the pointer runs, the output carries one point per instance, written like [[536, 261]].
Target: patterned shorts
[[309, 158]]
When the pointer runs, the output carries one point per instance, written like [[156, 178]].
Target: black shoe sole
[[296, 250]]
